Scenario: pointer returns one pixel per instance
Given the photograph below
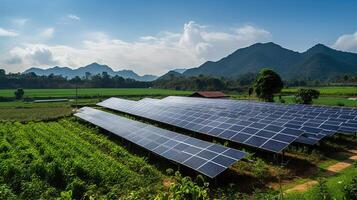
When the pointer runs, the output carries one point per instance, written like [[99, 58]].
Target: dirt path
[[333, 169]]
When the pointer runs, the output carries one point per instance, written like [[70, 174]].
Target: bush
[[6, 193], [323, 192], [340, 104], [260, 169], [184, 188], [305, 96], [19, 93], [350, 190]]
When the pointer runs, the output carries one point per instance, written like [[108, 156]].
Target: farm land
[[46, 153]]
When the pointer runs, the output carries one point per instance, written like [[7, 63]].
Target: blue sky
[[151, 37]]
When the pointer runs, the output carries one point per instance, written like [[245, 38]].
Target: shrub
[[305, 96], [6, 193], [184, 188], [350, 190], [340, 104], [169, 171], [78, 188], [260, 169], [19, 93], [322, 190]]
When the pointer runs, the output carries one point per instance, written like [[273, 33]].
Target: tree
[[305, 96], [2, 73], [19, 93], [267, 84]]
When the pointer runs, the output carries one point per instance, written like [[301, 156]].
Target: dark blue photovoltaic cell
[[317, 122], [213, 122], [205, 157]]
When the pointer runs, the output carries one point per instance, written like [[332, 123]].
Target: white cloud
[[149, 55], [47, 33], [19, 21], [7, 33], [73, 17], [347, 42]]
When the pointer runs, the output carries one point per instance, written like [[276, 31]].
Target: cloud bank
[[347, 42], [7, 33], [152, 54]]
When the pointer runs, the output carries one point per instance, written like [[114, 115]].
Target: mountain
[[93, 69], [181, 71], [318, 62], [170, 75]]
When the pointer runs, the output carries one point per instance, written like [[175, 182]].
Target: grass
[[326, 100], [335, 90], [93, 92], [66, 158], [33, 114], [334, 184]]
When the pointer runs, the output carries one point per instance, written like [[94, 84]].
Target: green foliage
[[305, 96], [260, 169], [66, 160], [340, 104], [170, 171], [267, 84], [19, 93], [350, 190], [6, 193], [31, 80], [322, 190], [184, 188]]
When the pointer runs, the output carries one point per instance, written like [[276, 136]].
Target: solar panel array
[[316, 121], [207, 158], [244, 130]]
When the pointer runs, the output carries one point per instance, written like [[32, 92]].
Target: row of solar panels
[[266, 126], [316, 121], [205, 157]]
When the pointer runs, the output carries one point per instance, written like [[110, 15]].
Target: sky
[[153, 37]]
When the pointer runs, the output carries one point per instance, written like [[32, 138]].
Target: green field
[[334, 187], [326, 100], [336, 91], [53, 155], [42, 160], [93, 92]]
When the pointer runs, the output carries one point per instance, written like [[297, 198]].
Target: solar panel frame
[[176, 147]]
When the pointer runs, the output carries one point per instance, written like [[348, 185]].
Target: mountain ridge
[[287, 63], [93, 69]]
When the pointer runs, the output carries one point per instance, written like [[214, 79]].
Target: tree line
[[31, 80]]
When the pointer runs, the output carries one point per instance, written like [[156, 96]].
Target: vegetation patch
[[65, 158]]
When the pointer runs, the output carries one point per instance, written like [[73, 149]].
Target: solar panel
[[207, 158], [244, 130], [316, 121]]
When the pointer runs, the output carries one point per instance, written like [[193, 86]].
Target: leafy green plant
[[260, 169], [184, 188], [350, 190], [6, 193], [322, 190]]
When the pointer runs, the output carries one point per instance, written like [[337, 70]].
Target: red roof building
[[209, 94]]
